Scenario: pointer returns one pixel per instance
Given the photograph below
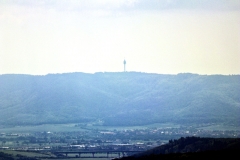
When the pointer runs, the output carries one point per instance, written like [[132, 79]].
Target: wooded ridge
[[123, 98]]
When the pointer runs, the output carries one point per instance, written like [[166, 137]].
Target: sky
[[40, 37]]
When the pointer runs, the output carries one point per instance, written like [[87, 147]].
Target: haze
[[159, 36]]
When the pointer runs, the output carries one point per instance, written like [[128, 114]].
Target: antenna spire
[[124, 63]]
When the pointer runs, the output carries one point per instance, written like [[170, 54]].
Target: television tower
[[124, 63]]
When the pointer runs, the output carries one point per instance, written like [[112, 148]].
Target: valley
[[110, 115], [88, 138]]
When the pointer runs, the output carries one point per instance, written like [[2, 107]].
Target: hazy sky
[[156, 36]]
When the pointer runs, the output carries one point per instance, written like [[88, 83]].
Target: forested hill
[[193, 148], [129, 98]]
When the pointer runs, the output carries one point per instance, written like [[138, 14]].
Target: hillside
[[128, 98], [193, 148]]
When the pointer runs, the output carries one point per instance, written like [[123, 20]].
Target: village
[[114, 140]]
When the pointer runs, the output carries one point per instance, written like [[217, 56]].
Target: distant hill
[[193, 148], [124, 98]]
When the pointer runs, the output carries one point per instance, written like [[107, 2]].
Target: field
[[40, 128], [30, 141], [84, 127], [221, 127], [73, 127], [18, 154]]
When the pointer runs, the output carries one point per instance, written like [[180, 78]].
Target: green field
[[71, 127], [221, 127], [18, 154], [40, 128], [29, 154]]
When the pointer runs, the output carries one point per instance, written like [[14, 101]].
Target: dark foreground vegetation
[[193, 148], [205, 155]]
